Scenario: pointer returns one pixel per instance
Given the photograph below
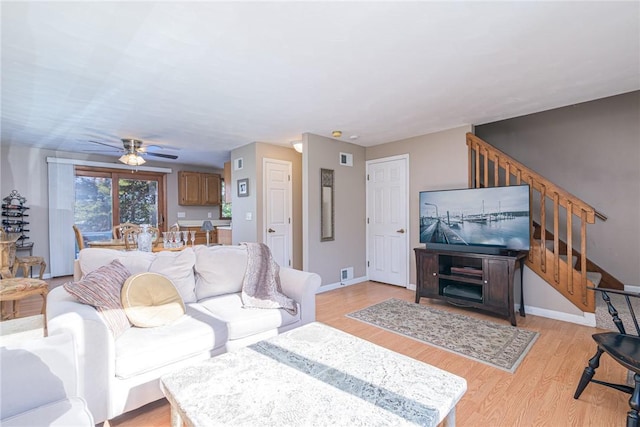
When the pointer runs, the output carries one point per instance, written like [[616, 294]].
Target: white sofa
[[39, 384], [119, 375]]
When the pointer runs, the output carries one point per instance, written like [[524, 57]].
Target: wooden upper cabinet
[[197, 188], [227, 182], [210, 183]]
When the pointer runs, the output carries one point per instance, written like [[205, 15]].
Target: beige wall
[[252, 230], [25, 169], [593, 151], [436, 161], [348, 248]]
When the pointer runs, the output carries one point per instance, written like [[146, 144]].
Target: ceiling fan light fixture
[[132, 159], [297, 145]]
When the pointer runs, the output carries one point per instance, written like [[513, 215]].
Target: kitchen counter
[[198, 222]]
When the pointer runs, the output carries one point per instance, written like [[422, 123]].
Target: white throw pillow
[[219, 270], [177, 267]]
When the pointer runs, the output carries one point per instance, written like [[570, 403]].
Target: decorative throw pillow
[[219, 270], [101, 289], [150, 300], [177, 267]]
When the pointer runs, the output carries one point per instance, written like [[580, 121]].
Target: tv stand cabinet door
[[427, 266], [497, 288]]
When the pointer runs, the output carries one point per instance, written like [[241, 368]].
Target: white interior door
[[387, 220], [278, 210]]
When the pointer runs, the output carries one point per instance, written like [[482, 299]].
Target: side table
[[17, 288]]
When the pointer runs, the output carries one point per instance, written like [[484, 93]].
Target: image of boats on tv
[[499, 229]]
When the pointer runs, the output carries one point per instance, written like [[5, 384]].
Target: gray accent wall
[[592, 150], [348, 248], [437, 161]]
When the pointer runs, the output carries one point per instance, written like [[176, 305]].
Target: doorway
[[278, 210], [388, 220]]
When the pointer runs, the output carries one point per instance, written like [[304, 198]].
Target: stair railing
[[490, 167]]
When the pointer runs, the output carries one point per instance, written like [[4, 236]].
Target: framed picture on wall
[[243, 187]]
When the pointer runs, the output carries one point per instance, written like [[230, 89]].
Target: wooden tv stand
[[470, 279]]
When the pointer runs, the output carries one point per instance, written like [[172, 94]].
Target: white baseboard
[[587, 319], [411, 286], [332, 286]]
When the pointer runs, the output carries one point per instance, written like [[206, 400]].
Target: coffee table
[[313, 375]]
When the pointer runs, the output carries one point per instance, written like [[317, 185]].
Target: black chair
[[624, 348]]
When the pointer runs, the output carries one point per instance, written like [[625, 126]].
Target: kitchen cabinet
[[224, 235], [198, 188], [227, 182], [201, 236]]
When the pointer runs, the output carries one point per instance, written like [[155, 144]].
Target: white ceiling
[[207, 77]]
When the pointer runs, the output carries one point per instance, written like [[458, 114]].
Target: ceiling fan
[[133, 150]]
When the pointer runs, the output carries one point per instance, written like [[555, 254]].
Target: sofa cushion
[[72, 411], [101, 288], [136, 262], [219, 270], [150, 300], [178, 267], [140, 350], [243, 322]]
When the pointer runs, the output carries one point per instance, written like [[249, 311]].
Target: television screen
[[489, 220]]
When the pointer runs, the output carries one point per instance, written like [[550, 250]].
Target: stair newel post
[[556, 242], [477, 183], [583, 253], [530, 256], [543, 228], [470, 163], [570, 245]]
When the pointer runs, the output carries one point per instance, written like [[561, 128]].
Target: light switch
[[209, 215], [182, 215], [248, 216]]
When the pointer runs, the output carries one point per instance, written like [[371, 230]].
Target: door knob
[[401, 231], [271, 230]]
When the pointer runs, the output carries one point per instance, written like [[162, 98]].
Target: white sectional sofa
[[121, 374]]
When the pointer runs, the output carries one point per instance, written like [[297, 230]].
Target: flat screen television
[[490, 220]]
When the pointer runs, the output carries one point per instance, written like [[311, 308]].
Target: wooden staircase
[[558, 224]]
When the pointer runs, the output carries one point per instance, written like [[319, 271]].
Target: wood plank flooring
[[539, 393]]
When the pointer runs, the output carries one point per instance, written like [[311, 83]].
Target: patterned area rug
[[501, 346]]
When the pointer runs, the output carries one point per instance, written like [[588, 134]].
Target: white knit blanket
[[261, 285]]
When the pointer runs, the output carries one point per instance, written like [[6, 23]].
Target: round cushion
[[151, 299]]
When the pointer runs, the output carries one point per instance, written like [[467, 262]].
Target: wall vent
[[346, 274]]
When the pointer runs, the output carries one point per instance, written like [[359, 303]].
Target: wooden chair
[[130, 237], [7, 254], [623, 347], [118, 230], [79, 238]]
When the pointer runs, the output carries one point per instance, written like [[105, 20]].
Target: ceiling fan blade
[[107, 145], [166, 156]]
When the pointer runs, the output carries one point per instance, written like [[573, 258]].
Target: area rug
[[500, 346], [16, 331]]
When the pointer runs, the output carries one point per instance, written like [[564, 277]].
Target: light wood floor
[[539, 393]]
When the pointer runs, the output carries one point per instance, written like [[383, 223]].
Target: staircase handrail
[[524, 174]]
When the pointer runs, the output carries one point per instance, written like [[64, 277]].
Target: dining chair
[[118, 230], [79, 238], [130, 237], [7, 254], [623, 347]]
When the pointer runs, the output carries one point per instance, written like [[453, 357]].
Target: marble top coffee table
[[314, 375]]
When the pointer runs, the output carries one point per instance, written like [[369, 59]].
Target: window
[[225, 208], [106, 197]]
